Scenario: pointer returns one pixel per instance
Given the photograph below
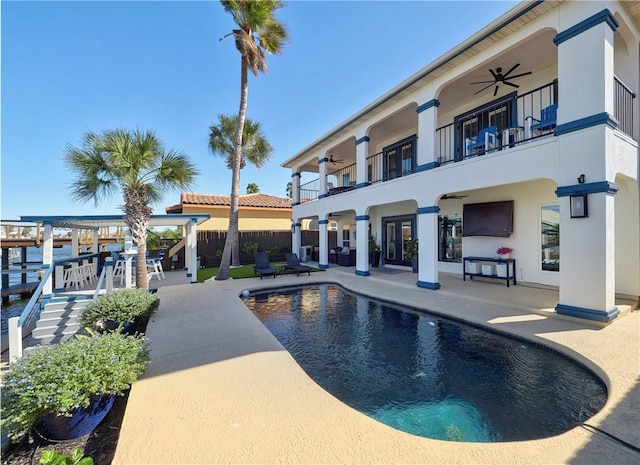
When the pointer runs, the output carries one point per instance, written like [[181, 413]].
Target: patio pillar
[[362, 152], [323, 254], [428, 247], [95, 248], [587, 256], [322, 169], [75, 243], [295, 188], [427, 124], [47, 254], [362, 245], [295, 236], [191, 251]]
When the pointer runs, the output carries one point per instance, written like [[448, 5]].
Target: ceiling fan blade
[[512, 85], [495, 92], [519, 75], [504, 76], [495, 76], [483, 82], [484, 88]]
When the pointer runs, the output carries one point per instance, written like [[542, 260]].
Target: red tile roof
[[257, 200]]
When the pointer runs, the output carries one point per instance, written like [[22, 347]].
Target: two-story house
[[523, 136]]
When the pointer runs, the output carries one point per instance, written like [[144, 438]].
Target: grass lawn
[[245, 271]]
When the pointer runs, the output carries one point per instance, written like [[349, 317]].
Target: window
[[399, 159], [450, 238], [345, 238], [550, 244]]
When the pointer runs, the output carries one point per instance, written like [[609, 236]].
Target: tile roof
[[257, 200]]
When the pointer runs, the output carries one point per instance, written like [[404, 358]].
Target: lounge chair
[[486, 141], [294, 264], [262, 265]]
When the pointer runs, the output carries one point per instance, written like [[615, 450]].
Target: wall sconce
[[581, 179], [578, 206]]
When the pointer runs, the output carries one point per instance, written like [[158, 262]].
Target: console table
[[509, 262]]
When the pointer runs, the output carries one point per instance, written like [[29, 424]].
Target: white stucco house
[[523, 136]]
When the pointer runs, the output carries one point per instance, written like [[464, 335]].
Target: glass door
[[398, 232]]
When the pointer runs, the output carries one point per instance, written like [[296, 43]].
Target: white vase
[[504, 255]]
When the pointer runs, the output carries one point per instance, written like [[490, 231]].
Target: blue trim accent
[[591, 188], [363, 218], [295, 204], [362, 139], [428, 285], [361, 185], [189, 275], [322, 196], [323, 266], [296, 174], [297, 225], [588, 313], [604, 16], [426, 166], [427, 210], [427, 105], [71, 219], [589, 121], [362, 273], [323, 160], [323, 221]]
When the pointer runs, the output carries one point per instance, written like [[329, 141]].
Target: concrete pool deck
[[221, 389]]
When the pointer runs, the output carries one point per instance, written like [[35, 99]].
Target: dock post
[[15, 339], [5, 276]]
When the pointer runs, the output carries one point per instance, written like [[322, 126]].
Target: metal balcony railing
[[623, 107], [341, 180], [310, 190]]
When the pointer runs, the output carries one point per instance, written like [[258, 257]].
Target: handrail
[[28, 312], [108, 264]]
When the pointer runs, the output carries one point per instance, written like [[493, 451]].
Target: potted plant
[[67, 388], [504, 252], [374, 252], [412, 253], [128, 307]]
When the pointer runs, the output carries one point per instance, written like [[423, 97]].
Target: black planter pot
[[105, 326], [374, 258], [414, 264], [82, 421]]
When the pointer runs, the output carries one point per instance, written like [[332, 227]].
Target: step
[[55, 333]]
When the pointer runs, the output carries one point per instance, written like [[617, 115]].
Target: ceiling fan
[[452, 197], [499, 78], [335, 161]]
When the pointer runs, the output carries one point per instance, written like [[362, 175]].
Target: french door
[[398, 232]]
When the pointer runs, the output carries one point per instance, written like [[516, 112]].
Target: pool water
[[427, 375]]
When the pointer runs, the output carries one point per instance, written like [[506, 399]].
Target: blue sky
[[72, 67]]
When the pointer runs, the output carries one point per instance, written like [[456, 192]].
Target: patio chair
[[546, 123], [294, 264], [263, 267], [486, 141]]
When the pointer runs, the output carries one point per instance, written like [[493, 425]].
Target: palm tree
[[255, 148], [258, 32], [136, 164], [252, 188]]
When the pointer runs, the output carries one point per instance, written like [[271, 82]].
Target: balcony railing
[[310, 190], [374, 168], [623, 107], [341, 180]]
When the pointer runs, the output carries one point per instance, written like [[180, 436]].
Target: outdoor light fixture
[[581, 179], [578, 206]]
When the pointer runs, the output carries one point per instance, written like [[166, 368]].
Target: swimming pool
[[428, 375]]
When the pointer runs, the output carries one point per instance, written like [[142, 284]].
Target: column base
[[323, 266], [427, 285], [362, 273], [588, 313]]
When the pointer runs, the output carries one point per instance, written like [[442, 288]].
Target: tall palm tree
[[252, 188], [258, 32], [255, 148], [136, 164]]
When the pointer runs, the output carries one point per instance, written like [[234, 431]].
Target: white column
[[95, 242], [323, 259], [362, 152], [75, 242], [295, 237], [362, 245], [428, 247], [427, 125], [295, 188], [47, 255], [191, 251], [322, 169]]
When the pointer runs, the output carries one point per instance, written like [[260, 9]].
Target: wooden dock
[[20, 288]]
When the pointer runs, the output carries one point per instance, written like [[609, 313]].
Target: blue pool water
[[428, 375]]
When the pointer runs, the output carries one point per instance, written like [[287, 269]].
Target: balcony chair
[[486, 141], [293, 263], [546, 123], [263, 267]]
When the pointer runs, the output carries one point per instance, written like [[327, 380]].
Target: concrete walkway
[[221, 389]]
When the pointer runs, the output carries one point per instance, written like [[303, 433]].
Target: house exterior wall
[[577, 53], [250, 219]]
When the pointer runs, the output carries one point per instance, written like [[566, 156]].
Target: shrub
[[51, 456], [59, 378], [249, 248], [274, 249], [120, 305]]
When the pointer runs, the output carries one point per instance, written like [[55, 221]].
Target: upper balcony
[[500, 103]]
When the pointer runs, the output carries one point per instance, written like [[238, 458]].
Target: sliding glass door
[[397, 233]]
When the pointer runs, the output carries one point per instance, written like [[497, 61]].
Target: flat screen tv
[[488, 219]]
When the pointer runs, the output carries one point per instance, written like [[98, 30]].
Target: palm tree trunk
[[136, 217], [232, 233]]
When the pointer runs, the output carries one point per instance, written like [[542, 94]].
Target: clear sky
[[71, 67]]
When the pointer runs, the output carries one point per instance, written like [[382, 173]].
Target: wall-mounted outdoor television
[[488, 219]]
